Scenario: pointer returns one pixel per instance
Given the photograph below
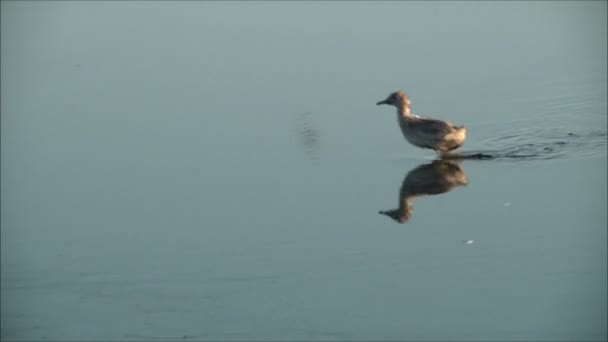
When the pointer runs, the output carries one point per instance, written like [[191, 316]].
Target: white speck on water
[[469, 242], [507, 204]]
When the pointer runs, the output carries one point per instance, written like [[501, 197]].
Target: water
[[214, 171]]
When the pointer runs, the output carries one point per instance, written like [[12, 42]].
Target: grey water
[[215, 171]]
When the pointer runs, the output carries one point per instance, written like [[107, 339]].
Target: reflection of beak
[[382, 102], [396, 215]]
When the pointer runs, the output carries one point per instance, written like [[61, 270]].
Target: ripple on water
[[546, 143], [309, 135], [563, 118]]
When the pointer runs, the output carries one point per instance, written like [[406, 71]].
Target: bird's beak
[[382, 102]]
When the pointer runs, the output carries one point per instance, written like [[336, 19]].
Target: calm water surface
[[214, 171]]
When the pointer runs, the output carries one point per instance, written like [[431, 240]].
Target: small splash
[[309, 135]]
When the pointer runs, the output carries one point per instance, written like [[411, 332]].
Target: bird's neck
[[404, 110]]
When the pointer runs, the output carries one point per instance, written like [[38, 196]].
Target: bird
[[438, 135], [435, 178]]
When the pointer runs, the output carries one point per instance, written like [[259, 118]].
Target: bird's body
[[441, 136], [437, 135]]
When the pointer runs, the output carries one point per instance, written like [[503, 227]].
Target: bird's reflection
[[434, 178]]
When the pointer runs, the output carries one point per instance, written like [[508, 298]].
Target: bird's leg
[[447, 155], [441, 154]]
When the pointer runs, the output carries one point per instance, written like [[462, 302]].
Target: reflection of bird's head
[[400, 215]]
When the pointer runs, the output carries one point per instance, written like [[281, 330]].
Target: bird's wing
[[430, 126]]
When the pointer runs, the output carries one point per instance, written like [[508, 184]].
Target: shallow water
[[214, 171]]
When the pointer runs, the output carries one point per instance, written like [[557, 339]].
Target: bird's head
[[396, 99]]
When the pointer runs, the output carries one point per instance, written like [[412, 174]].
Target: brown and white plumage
[[441, 136]]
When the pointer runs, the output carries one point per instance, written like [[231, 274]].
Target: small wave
[[542, 144]]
